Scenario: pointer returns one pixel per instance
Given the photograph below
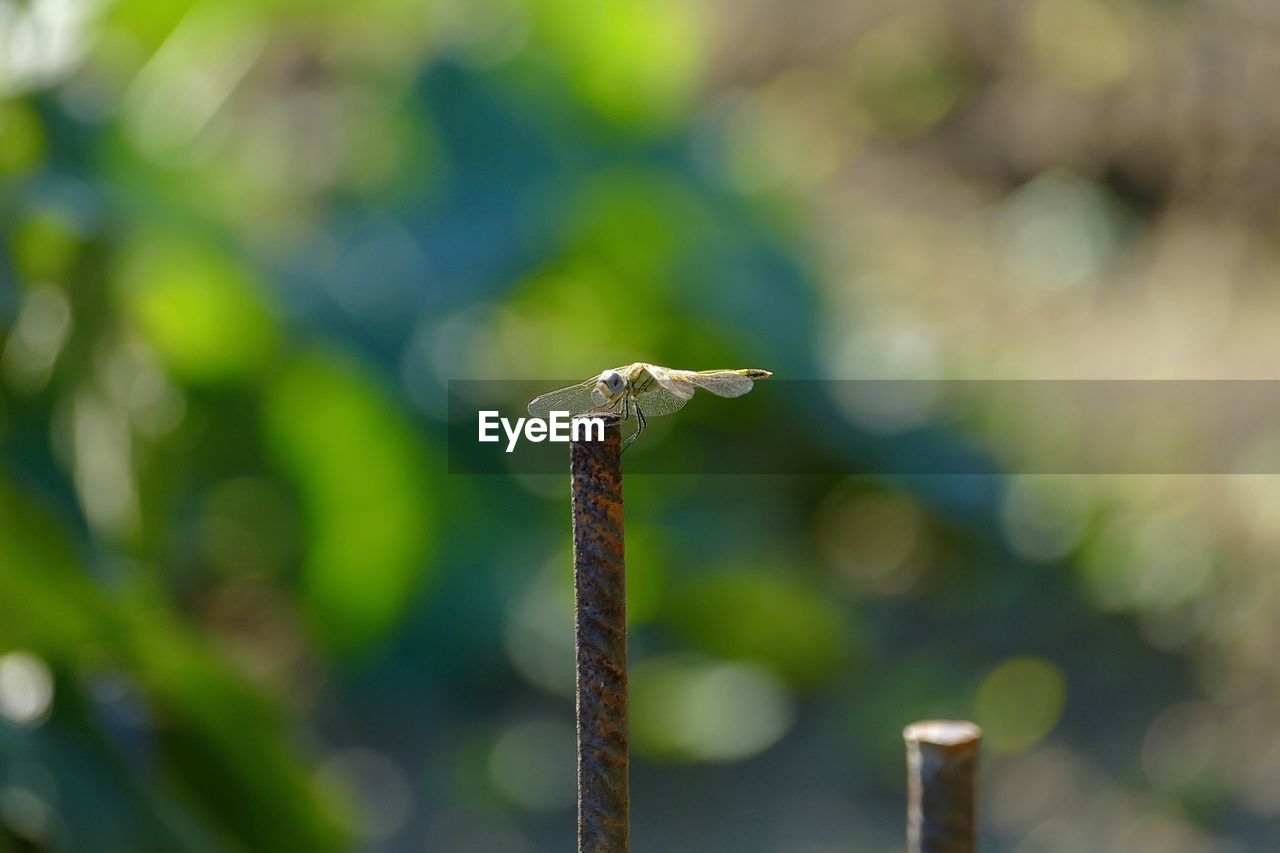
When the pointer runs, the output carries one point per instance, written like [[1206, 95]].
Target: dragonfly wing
[[722, 383], [661, 400], [575, 400], [673, 381]]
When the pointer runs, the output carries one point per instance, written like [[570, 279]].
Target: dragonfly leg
[[641, 422]]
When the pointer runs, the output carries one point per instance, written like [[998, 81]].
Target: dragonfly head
[[611, 383]]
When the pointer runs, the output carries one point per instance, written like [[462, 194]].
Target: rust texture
[[942, 771], [600, 605]]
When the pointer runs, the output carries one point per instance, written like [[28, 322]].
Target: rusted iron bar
[[942, 771], [600, 605]]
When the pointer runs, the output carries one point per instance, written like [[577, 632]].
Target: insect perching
[[661, 390], [600, 575]]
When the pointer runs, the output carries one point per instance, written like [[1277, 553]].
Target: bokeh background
[[246, 244]]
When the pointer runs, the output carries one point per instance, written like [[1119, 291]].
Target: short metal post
[[600, 605], [942, 770]]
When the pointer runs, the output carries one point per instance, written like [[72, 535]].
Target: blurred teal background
[[246, 244]]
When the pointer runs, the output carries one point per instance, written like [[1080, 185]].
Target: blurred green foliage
[[244, 246], [368, 515]]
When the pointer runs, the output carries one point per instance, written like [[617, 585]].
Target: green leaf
[[361, 474]]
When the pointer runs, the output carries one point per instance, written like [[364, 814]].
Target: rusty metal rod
[[600, 607], [942, 771]]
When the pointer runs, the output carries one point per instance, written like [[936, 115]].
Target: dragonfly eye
[[613, 382]]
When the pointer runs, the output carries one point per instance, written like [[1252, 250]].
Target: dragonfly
[[661, 390]]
